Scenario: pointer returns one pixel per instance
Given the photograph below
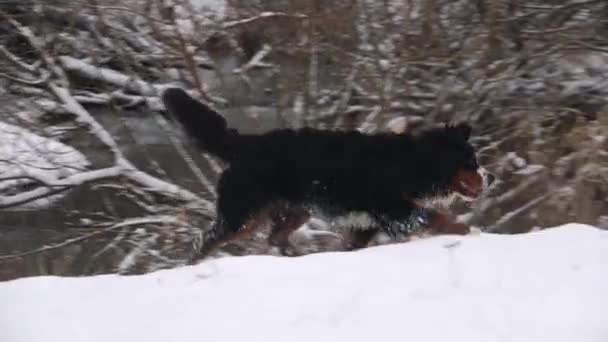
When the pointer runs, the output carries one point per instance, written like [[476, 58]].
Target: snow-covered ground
[[549, 285]]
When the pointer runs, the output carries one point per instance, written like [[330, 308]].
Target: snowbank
[[29, 159], [543, 286]]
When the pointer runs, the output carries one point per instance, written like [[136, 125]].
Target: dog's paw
[[284, 251], [456, 228]]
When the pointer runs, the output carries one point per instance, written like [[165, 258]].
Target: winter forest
[[93, 179]]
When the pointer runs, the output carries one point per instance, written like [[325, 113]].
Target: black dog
[[374, 182]]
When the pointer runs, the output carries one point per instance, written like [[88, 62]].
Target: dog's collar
[[419, 219]]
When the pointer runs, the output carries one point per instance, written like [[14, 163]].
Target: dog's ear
[[462, 130]]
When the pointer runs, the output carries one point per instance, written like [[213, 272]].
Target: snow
[[530, 170], [548, 285], [204, 12], [217, 7], [26, 158]]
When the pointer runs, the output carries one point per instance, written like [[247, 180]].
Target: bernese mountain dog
[[374, 182]]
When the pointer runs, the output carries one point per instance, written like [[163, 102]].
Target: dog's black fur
[[383, 175]]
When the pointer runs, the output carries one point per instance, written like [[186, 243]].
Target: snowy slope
[[543, 286]]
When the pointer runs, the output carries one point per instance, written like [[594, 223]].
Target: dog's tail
[[208, 128]]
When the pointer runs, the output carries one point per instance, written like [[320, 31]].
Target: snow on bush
[[27, 159], [548, 285]]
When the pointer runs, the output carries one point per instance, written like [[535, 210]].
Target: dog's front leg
[[285, 220], [444, 223], [360, 238]]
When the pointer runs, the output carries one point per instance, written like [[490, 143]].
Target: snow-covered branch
[[84, 69], [261, 16], [53, 186], [58, 86]]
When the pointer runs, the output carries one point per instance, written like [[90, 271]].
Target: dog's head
[[451, 164]]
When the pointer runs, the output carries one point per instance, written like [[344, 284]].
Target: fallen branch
[[84, 69], [54, 187], [126, 168]]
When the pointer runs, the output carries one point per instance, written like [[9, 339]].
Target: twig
[[125, 223], [181, 150], [263, 15], [508, 217], [17, 61]]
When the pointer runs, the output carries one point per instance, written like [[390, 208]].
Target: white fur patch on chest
[[440, 202], [354, 220]]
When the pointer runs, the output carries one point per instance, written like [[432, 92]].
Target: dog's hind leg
[[360, 238], [285, 220], [211, 240], [240, 209], [218, 236]]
